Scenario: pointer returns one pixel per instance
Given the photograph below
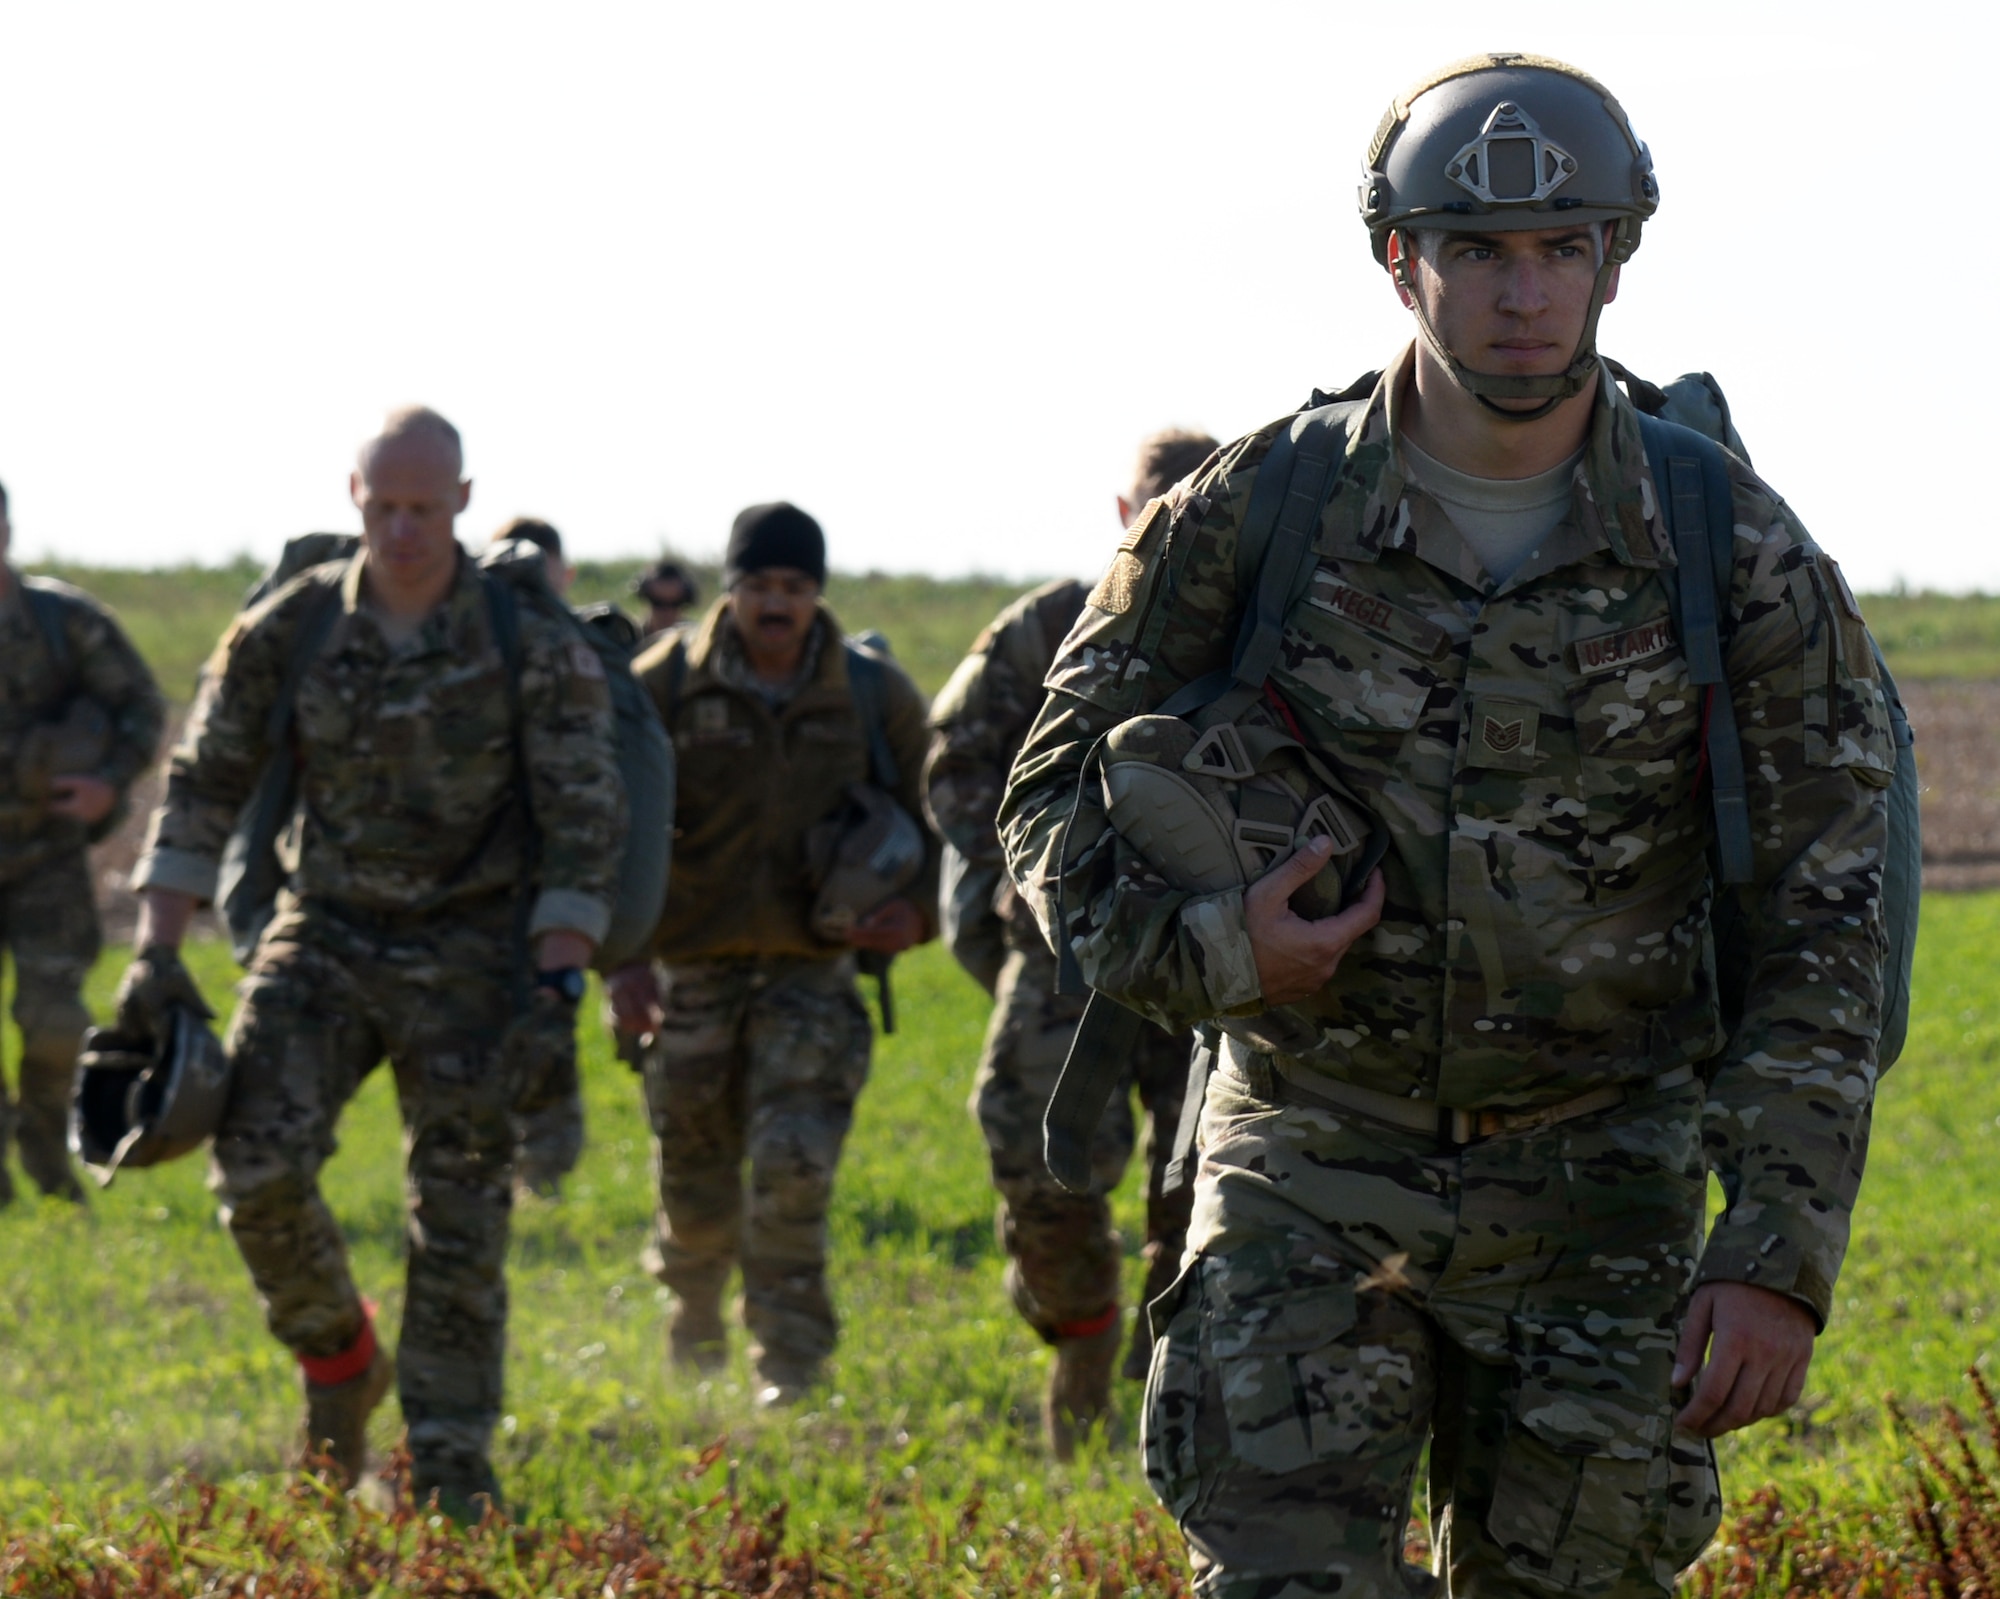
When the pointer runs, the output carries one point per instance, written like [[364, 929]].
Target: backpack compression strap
[[1274, 561], [1692, 481]]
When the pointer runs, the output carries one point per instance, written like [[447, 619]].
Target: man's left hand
[[889, 929], [1759, 1344], [85, 799]]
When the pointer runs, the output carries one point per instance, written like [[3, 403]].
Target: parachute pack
[[1684, 427], [251, 873]]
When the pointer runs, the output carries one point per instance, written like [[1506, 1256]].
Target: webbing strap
[[1201, 1063], [1090, 1076], [1692, 480], [46, 607]]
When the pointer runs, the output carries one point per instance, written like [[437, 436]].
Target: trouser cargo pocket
[[1581, 1489]]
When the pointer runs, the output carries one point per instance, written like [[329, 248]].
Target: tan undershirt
[[1502, 520]]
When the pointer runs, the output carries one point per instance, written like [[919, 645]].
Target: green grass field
[[131, 1349]]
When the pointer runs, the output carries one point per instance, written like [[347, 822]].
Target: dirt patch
[[1957, 725]]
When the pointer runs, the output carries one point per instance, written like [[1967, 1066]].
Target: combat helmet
[[138, 1103], [1505, 143]]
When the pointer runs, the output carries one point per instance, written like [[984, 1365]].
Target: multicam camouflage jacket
[[408, 761], [35, 691], [980, 719], [1534, 749]]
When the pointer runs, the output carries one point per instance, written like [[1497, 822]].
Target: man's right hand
[[1295, 957], [154, 984]]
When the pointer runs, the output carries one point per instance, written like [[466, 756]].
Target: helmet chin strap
[[1550, 388]]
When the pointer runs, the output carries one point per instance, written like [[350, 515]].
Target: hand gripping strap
[[1692, 481]]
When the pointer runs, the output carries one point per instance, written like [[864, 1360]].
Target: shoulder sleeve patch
[[584, 662], [1119, 586]]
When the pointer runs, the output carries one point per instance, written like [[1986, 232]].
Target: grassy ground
[[131, 1347]]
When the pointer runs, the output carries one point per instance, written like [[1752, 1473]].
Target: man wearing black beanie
[[761, 1043]]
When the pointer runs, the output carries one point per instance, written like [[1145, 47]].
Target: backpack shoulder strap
[[1691, 479], [869, 681], [1274, 547], [45, 605], [310, 634]]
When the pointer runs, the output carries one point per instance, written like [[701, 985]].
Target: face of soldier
[[773, 611], [409, 494], [1510, 304], [561, 573], [666, 604]]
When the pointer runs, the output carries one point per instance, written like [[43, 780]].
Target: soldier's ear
[[1124, 511], [354, 487], [465, 494]]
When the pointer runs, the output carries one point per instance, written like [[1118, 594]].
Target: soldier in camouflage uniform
[[1062, 1251], [1451, 1185], [760, 1042], [548, 1143], [80, 717], [400, 933]]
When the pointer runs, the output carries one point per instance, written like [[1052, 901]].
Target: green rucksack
[[251, 873], [1680, 425]]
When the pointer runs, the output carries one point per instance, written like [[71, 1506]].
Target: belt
[[1460, 1127]]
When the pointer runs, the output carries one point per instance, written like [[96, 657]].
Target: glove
[[154, 984], [538, 1053]]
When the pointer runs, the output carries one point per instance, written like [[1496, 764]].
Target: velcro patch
[[1503, 735], [1609, 650], [711, 714], [1119, 586], [584, 662], [1378, 615], [1142, 525]]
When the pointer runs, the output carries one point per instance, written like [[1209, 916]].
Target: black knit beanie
[[779, 534]]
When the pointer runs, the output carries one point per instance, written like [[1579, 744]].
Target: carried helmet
[[1505, 143], [1216, 809], [138, 1104], [866, 853]]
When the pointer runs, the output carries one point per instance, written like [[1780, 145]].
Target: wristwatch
[[565, 982]]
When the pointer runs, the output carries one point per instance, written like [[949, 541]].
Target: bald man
[[445, 805]]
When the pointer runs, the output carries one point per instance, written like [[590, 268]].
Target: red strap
[[328, 1371], [1090, 1326], [1279, 704], [1701, 756]]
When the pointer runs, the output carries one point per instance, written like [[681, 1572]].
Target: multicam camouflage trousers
[[1353, 1290], [1062, 1251], [549, 1142], [48, 918], [759, 1060], [324, 1002]]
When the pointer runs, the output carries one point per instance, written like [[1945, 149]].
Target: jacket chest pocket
[[1639, 730], [1638, 706], [826, 746], [466, 716], [1357, 660]]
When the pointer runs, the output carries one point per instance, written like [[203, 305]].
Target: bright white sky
[[930, 270]]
